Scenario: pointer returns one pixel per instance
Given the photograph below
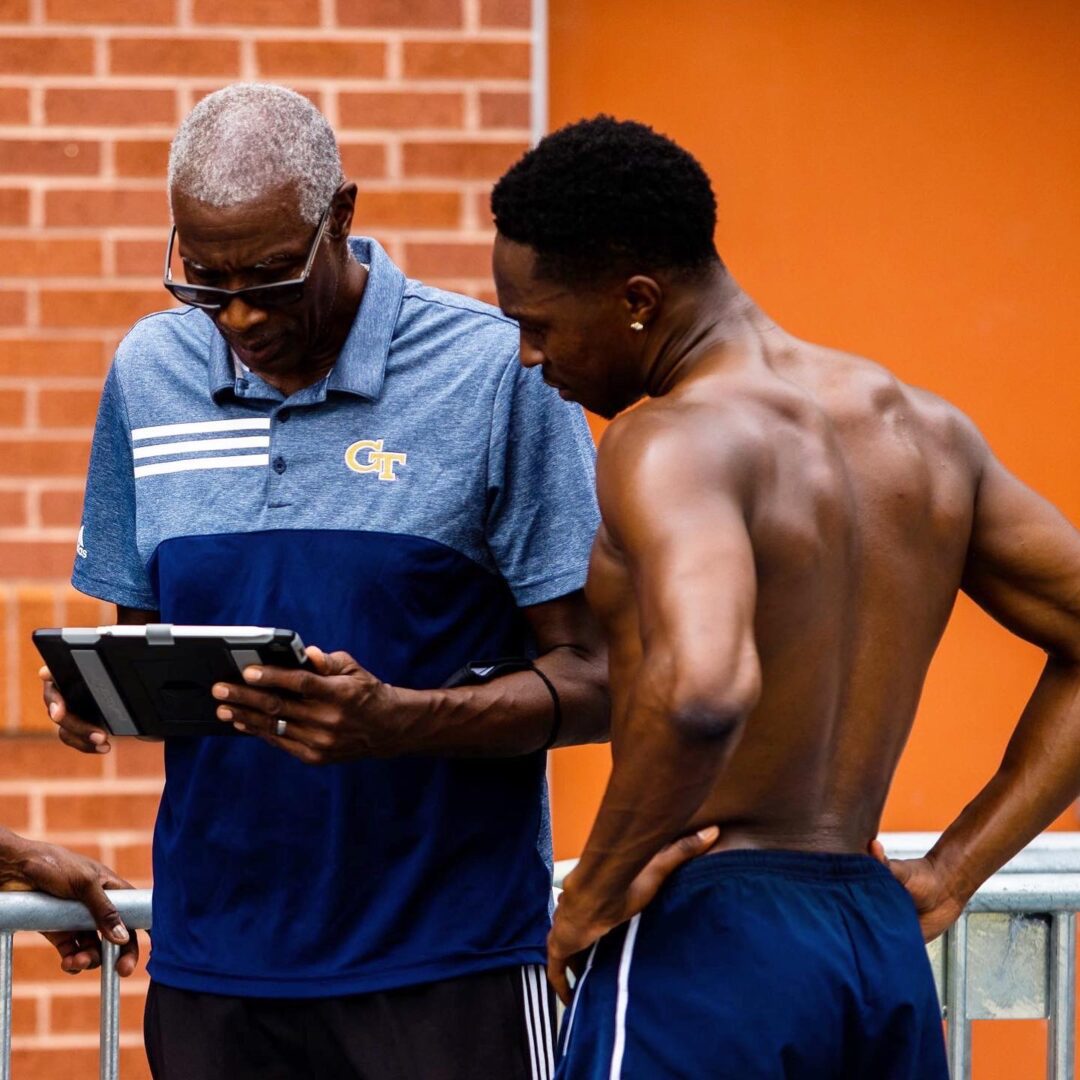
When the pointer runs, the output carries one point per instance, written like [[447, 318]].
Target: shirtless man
[[785, 529]]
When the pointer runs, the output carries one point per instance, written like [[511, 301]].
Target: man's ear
[[642, 297], [341, 216]]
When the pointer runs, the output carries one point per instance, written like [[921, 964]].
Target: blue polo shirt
[[404, 509]]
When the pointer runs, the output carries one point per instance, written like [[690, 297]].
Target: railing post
[[110, 1012], [5, 1005], [1061, 1034], [959, 1030]]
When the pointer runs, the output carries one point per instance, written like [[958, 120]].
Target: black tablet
[[156, 679]]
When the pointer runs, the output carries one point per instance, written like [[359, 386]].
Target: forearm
[[1037, 780], [662, 773], [12, 853], [511, 715]]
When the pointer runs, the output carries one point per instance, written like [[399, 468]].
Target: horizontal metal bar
[[1050, 853], [36, 911], [1028, 894]]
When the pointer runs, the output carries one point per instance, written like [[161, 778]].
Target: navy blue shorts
[[761, 965]]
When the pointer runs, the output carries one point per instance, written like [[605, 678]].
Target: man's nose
[[239, 317], [530, 355]]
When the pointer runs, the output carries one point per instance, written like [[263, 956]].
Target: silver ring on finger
[[279, 728]]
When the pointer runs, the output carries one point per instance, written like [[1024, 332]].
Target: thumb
[[901, 870], [877, 851], [104, 913], [318, 659], [684, 849]]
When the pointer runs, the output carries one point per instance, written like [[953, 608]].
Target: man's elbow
[[714, 717]]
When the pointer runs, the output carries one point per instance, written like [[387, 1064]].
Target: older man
[[358, 885], [30, 864]]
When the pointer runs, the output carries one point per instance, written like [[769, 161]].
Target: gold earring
[[636, 325]]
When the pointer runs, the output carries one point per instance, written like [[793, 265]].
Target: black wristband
[[556, 705]]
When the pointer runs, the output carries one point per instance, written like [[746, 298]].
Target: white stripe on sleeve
[[194, 446], [238, 461], [255, 423]]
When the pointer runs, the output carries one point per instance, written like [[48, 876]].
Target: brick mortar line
[[301, 81], [39, 582], [349, 35], [9, 484], [81, 786], [59, 435], [94, 334], [101, 55], [49, 382], [54, 534], [57, 1042], [90, 836], [33, 988]]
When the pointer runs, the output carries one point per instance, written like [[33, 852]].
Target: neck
[[331, 333], [700, 321]]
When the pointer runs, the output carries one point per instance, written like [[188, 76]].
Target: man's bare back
[[785, 531], [858, 494]]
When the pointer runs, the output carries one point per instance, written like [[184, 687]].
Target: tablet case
[[156, 679]]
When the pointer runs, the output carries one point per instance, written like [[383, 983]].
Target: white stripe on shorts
[[578, 987], [537, 1025], [623, 999]]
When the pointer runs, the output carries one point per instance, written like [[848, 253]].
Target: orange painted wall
[[901, 179]]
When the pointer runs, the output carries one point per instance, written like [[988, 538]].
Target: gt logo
[[378, 460]]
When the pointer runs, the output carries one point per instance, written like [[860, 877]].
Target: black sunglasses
[[274, 295]]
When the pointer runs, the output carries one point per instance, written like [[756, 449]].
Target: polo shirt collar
[[361, 364]]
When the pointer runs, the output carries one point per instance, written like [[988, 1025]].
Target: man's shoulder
[[662, 431], [425, 306], [161, 335]]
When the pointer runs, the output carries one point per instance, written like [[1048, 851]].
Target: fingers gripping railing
[[34, 911]]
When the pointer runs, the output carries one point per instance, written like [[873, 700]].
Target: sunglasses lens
[[272, 296], [194, 295]]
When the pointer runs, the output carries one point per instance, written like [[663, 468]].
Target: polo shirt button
[[279, 465]]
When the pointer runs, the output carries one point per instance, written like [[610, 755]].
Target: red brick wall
[[430, 99]]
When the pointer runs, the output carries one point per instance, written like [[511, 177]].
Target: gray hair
[[250, 138]]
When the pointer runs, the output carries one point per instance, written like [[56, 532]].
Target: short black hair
[[605, 196]]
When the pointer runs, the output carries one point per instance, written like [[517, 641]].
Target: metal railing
[[1011, 955], [34, 911]]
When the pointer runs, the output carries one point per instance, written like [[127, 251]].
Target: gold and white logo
[[378, 460]]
